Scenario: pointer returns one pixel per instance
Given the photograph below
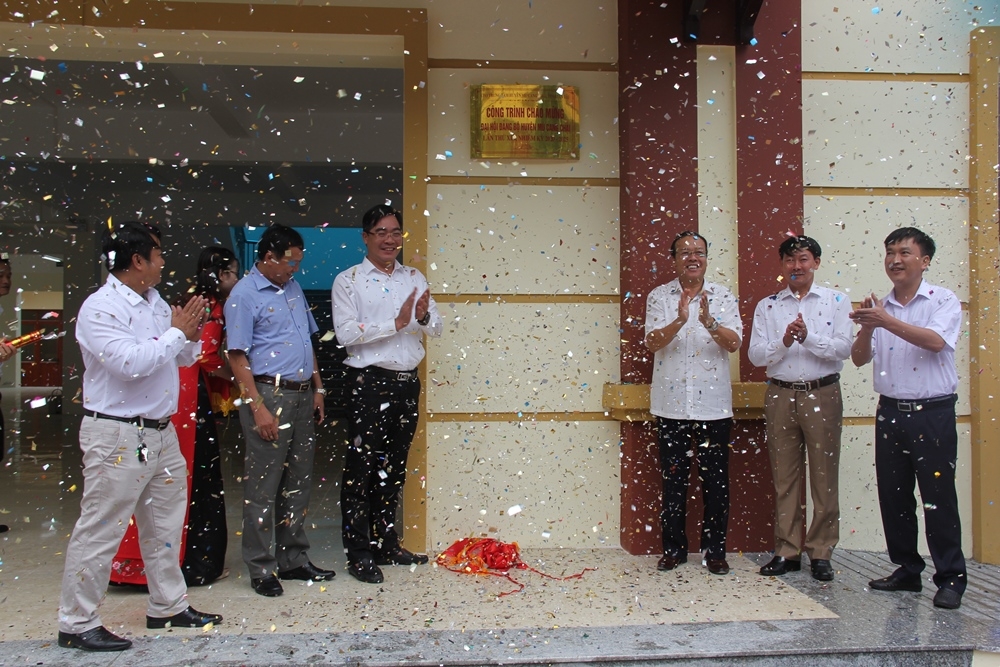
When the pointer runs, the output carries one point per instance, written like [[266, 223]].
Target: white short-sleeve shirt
[[691, 373], [905, 371]]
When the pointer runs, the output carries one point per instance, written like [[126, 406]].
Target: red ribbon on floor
[[487, 556]]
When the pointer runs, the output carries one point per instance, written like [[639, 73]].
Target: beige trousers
[[805, 426], [117, 485]]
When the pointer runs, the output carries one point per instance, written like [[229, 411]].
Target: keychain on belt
[[141, 451]]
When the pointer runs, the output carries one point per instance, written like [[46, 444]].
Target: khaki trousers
[[117, 485], [805, 426]]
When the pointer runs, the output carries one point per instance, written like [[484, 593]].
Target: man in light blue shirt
[[268, 329]]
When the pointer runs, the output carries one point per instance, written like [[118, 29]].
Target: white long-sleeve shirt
[[131, 352], [826, 313], [365, 304]]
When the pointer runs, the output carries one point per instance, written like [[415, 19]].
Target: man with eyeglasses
[[692, 326], [268, 329], [381, 312], [803, 334]]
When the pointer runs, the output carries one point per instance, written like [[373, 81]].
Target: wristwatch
[[714, 326], [425, 320], [321, 390]]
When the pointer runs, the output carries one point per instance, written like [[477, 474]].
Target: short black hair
[[925, 242], [376, 213], [124, 240], [794, 244], [686, 233], [212, 261], [277, 239]]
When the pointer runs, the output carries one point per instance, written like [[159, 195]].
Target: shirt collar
[[261, 282], [787, 292], [368, 267], [924, 290], [675, 286], [133, 297]]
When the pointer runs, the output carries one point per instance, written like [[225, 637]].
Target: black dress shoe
[[668, 562], [900, 580], [3, 528], [95, 639], [189, 618], [399, 556], [308, 572], [267, 586], [367, 571], [947, 598], [780, 565], [717, 565], [821, 569]]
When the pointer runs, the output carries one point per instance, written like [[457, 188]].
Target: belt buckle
[[402, 376], [800, 386], [905, 406]]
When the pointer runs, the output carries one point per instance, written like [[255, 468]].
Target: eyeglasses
[[698, 254], [382, 232]]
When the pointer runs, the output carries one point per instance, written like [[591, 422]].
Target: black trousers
[[681, 441], [922, 447], [383, 420], [207, 536]]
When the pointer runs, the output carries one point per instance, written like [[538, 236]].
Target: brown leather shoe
[[717, 565], [669, 562]]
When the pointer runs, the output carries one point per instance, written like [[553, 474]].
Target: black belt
[[158, 424], [912, 405], [386, 374], [807, 386], [284, 384]]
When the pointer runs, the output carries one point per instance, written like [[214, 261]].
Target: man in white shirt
[[381, 312], [911, 335], [802, 335], [692, 326], [132, 344]]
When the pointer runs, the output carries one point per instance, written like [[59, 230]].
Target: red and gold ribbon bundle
[[487, 556]]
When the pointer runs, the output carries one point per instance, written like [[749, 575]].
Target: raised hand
[[406, 311], [870, 314], [682, 308], [189, 317], [796, 331], [423, 303], [704, 316]]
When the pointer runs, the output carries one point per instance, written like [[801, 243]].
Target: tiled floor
[[622, 610]]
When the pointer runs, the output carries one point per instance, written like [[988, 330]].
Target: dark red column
[[659, 182]]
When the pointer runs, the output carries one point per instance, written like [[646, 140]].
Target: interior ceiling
[[81, 134], [177, 87]]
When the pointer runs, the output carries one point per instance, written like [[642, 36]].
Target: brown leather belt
[[284, 384], [806, 385]]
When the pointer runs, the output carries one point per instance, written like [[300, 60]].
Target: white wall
[[885, 106]]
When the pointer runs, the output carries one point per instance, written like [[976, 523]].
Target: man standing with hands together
[[268, 329], [132, 344], [692, 326], [381, 312], [911, 336], [803, 334]]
